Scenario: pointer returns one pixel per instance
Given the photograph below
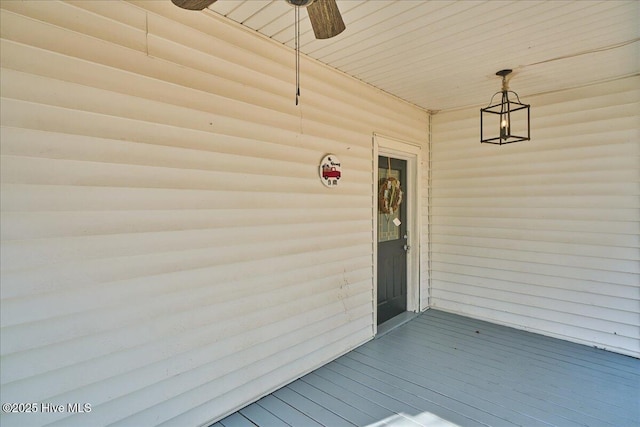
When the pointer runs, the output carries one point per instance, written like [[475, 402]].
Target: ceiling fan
[[324, 15]]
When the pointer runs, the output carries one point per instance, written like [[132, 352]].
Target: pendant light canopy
[[511, 117]]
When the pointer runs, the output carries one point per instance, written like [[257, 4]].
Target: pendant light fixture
[[512, 117]]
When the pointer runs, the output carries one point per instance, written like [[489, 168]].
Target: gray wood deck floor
[[441, 369]]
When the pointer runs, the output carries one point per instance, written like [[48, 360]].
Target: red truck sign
[[330, 171]]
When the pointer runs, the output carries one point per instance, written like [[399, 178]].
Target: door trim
[[411, 152]]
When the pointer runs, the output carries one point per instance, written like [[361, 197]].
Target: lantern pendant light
[[513, 117]]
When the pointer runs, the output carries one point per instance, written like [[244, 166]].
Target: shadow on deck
[[440, 369]]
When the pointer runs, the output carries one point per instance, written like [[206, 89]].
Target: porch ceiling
[[443, 55]]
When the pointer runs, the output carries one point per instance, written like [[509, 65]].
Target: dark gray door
[[392, 240]]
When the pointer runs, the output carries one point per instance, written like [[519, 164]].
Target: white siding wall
[[168, 251], [544, 235]]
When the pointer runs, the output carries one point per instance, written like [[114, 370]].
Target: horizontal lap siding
[[545, 234], [168, 251]]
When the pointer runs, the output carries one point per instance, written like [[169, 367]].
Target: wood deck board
[[548, 345], [311, 408], [481, 399], [511, 371], [353, 399], [236, 420], [287, 413], [549, 348], [372, 394], [416, 400], [260, 416], [445, 369], [477, 379], [333, 404], [557, 381], [540, 368], [516, 352], [421, 399]]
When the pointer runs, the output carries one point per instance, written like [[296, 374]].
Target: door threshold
[[395, 322]]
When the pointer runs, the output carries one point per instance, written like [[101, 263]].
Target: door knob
[[407, 247]]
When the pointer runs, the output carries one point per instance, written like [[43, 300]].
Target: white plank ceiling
[[443, 55]]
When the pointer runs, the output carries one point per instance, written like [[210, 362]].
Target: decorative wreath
[[389, 195]]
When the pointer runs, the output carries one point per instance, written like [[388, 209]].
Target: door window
[[387, 228]]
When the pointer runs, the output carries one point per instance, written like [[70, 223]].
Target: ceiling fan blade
[[193, 4], [325, 18]]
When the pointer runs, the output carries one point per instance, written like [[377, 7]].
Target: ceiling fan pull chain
[[297, 37], [324, 16]]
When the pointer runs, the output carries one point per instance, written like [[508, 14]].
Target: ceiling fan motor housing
[[300, 3], [324, 15]]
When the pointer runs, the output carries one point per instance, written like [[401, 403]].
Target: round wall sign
[[330, 170]]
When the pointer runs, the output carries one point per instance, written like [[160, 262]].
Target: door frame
[[411, 152]]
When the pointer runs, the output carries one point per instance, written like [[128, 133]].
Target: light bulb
[[504, 127]]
